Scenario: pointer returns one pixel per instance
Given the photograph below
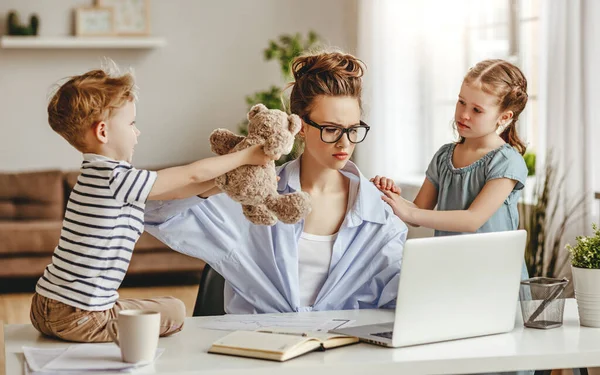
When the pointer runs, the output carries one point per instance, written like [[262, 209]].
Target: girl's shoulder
[[507, 154], [507, 162], [443, 153], [445, 149]]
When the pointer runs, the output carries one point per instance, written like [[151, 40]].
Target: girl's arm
[[487, 202], [426, 198]]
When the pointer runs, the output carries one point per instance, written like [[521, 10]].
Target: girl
[[475, 182]]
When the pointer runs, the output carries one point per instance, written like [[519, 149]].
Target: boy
[[77, 294]]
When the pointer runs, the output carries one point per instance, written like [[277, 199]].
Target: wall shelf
[[72, 42]]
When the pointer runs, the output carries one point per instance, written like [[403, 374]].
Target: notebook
[[277, 344]]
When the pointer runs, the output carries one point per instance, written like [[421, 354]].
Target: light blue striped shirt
[[260, 263]]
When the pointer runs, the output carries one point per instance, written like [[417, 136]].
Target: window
[[417, 54], [504, 29]]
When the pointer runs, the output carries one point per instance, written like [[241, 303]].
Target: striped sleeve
[[130, 185]]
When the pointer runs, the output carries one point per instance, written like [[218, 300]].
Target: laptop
[[453, 287]]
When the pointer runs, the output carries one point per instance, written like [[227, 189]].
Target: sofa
[[32, 205]]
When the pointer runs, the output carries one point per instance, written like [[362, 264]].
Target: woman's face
[[342, 111]]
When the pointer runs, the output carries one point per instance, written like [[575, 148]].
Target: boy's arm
[[199, 189], [195, 178], [212, 191]]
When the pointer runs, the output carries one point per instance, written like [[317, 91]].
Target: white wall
[[213, 58]]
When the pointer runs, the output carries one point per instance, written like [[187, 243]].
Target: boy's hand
[[257, 156], [385, 184], [399, 205]]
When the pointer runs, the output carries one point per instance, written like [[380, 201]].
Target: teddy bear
[[255, 187]]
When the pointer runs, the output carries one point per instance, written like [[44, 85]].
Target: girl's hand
[[398, 204], [385, 184]]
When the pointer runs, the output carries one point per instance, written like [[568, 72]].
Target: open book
[[277, 344]]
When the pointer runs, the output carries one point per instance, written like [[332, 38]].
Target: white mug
[[136, 333]]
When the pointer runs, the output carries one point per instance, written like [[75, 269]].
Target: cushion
[[31, 195], [22, 238]]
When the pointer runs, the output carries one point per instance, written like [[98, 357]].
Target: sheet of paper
[[38, 358], [258, 321], [79, 357]]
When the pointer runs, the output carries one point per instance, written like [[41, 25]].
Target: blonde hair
[[85, 100], [505, 81], [324, 73]]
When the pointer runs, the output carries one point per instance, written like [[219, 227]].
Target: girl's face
[[341, 111], [477, 113]]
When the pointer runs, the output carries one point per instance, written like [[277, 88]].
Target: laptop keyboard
[[387, 335]]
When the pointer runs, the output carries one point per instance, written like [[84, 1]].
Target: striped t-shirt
[[103, 221]]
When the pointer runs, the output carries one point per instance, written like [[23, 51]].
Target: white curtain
[[390, 75], [412, 49], [569, 99]]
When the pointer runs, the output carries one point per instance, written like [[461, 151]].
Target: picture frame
[[132, 17], [94, 21]]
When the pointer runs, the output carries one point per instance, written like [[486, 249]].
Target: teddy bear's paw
[[289, 208], [259, 215]]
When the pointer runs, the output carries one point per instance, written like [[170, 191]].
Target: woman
[[345, 255]]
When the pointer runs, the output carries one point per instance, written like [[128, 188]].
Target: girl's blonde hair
[[87, 99], [505, 81]]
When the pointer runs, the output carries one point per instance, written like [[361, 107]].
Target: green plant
[[586, 252], [15, 27], [284, 50], [530, 162], [546, 218]]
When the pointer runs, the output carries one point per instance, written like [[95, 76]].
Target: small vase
[[587, 294]]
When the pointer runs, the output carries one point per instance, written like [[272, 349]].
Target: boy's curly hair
[[87, 99]]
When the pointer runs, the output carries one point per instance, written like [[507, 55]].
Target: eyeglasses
[[332, 134]]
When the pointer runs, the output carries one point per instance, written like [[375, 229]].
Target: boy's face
[[122, 132]]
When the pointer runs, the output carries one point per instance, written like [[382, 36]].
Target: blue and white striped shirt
[[260, 263], [103, 221]]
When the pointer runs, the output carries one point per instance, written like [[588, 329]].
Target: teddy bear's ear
[[256, 109], [295, 124]]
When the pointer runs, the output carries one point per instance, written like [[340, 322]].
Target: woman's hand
[[385, 184]]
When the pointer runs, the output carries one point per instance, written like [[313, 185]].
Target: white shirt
[[314, 257]]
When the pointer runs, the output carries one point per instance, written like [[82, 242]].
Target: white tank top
[[314, 257]]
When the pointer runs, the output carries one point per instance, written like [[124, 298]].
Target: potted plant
[[585, 262], [546, 212], [284, 50]]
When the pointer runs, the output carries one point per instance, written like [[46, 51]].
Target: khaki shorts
[[56, 319]]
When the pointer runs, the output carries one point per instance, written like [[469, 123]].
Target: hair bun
[[330, 63]]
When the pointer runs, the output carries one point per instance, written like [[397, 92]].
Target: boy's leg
[[56, 319], [172, 311], [37, 314]]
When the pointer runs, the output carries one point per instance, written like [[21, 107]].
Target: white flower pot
[[587, 292]]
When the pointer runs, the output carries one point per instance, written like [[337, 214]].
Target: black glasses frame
[[343, 130]]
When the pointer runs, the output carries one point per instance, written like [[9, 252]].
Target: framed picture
[[132, 17], [94, 21]]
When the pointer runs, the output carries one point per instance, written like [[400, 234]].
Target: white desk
[[570, 346]]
